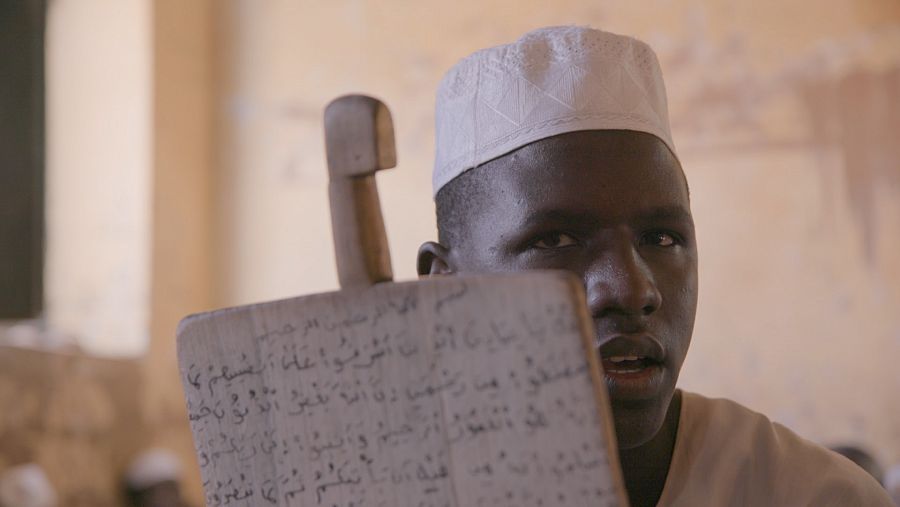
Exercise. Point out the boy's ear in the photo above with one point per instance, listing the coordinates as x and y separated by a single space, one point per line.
433 259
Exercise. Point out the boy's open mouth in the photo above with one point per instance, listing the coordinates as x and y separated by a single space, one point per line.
626 364
633 366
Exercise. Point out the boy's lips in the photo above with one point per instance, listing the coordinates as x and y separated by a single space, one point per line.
633 365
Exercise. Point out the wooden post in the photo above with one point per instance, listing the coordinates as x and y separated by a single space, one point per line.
359 140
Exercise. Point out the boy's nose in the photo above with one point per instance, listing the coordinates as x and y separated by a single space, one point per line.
620 282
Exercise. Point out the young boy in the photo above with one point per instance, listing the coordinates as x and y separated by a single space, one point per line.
554 152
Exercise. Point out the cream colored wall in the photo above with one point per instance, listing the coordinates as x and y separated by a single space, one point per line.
800 283
99 173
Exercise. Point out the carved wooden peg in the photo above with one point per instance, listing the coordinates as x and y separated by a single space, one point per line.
359 140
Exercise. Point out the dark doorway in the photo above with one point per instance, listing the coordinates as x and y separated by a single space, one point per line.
21 157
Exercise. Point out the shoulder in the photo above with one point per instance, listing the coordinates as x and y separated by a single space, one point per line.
739 456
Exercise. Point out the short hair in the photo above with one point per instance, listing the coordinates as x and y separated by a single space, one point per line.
453 201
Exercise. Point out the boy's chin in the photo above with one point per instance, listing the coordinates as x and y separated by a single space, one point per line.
637 424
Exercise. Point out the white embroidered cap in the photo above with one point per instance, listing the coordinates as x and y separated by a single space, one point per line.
151 467
26 486
551 81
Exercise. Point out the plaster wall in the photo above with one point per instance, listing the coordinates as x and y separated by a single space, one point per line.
99 173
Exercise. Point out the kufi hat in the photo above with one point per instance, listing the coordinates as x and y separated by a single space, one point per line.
152 467
26 486
549 82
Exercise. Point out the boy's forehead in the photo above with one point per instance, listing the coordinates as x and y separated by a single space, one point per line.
579 156
605 172
551 81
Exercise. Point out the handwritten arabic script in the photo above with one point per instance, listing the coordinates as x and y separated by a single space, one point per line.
453 392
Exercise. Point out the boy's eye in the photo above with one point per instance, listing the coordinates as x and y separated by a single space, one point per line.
554 240
660 239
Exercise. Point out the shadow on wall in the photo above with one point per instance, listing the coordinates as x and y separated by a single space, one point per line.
847 106
860 114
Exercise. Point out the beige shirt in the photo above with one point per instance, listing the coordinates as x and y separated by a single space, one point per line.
726 454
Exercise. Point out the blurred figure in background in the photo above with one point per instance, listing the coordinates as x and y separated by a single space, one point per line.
26 486
153 479
862 458
892 482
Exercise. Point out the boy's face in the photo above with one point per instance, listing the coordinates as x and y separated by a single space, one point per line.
611 207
